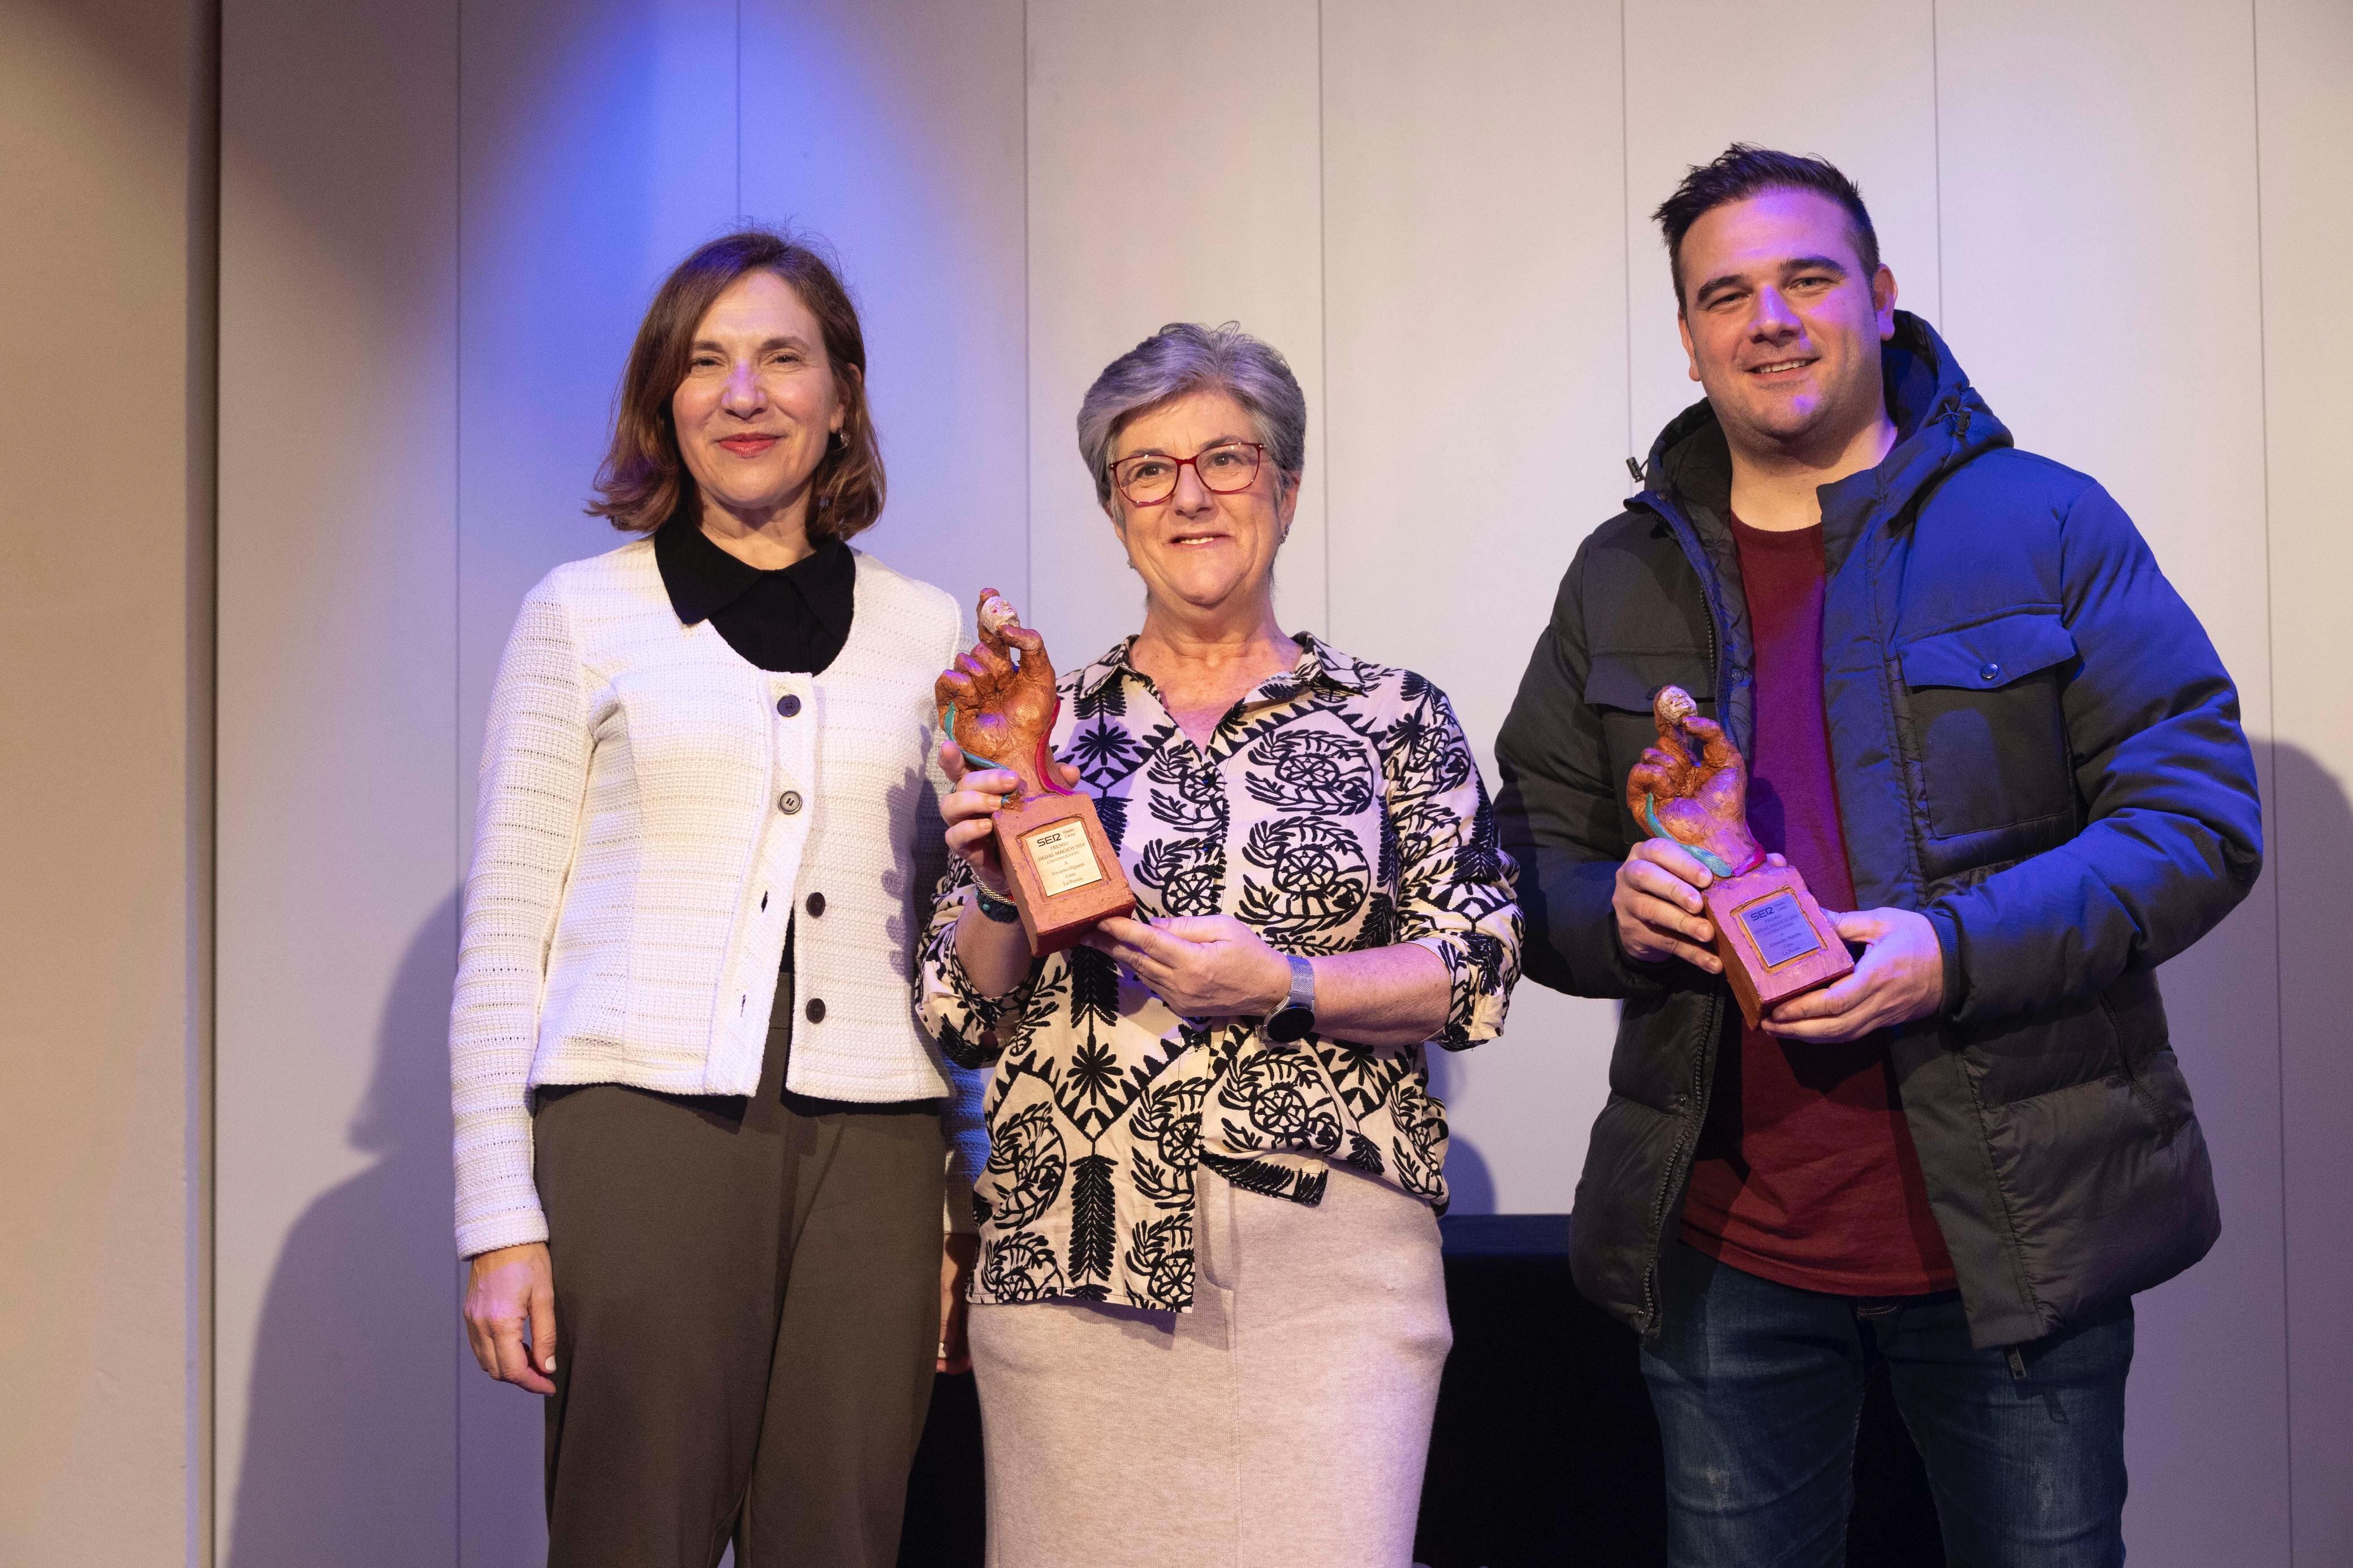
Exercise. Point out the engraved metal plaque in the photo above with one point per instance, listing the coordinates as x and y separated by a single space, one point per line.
1064 857
1779 928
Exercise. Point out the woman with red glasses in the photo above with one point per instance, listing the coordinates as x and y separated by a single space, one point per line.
1210 1318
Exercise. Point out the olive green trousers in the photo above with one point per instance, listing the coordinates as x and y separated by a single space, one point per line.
747 1310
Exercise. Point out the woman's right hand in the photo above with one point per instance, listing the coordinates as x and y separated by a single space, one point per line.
979 793
508 1290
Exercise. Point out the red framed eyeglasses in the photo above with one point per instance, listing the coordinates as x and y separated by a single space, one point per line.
1148 479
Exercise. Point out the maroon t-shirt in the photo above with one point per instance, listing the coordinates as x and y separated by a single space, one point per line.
1805 1172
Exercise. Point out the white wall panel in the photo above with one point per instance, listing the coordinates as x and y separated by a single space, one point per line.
598 147
1173 158
336 1425
1861 91
897 133
1476 306
2100 283
2304 64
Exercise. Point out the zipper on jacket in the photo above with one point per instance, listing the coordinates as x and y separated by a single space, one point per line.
1687 541
1703 1059
1715 676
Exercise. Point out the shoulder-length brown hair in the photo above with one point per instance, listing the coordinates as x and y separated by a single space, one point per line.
644 481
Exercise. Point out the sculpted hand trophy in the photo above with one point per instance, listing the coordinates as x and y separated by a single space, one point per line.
1693 787
999 705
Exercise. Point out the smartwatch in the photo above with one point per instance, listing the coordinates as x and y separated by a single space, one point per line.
1296 1019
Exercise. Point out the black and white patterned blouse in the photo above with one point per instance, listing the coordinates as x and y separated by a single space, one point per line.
1336 808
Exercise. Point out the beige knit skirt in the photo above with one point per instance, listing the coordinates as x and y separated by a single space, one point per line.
1283 1423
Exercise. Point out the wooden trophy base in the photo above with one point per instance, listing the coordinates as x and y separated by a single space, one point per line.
1774 940
1065 875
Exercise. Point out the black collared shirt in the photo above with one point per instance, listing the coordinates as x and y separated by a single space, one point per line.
795 618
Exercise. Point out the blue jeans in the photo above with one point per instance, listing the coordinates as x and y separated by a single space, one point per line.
1759 1388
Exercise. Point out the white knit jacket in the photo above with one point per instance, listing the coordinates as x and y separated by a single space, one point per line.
649 821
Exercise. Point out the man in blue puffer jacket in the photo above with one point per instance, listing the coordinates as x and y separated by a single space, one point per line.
1982 724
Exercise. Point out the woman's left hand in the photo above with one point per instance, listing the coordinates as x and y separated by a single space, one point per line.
1202 966
959 1250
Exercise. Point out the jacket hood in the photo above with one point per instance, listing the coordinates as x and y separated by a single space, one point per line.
1941 422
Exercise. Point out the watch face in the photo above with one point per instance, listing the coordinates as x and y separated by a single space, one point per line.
1289 1025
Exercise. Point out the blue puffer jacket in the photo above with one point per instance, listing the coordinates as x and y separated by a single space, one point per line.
2035 744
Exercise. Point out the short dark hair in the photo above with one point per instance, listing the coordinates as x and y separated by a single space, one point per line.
1741 171
644 481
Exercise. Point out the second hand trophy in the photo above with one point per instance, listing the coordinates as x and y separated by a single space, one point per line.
1772 936
999 705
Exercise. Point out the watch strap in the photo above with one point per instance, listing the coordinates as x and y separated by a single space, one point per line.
1296 1019
1302 982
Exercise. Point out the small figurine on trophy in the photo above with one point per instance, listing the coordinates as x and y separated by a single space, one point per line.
998 704
1773 939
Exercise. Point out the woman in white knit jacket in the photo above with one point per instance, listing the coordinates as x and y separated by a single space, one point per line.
700 1150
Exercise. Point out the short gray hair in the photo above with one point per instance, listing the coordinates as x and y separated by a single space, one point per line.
1186 357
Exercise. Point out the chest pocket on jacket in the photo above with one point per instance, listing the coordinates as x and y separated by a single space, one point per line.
1986 728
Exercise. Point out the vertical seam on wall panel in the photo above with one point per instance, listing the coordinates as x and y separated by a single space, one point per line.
1324 319
2271 683
739 112
1936 150
456 678
1029 443
203 763
1626 216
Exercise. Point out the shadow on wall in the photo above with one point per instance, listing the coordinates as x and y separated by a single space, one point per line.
346 1377
2310 858
1469 1180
